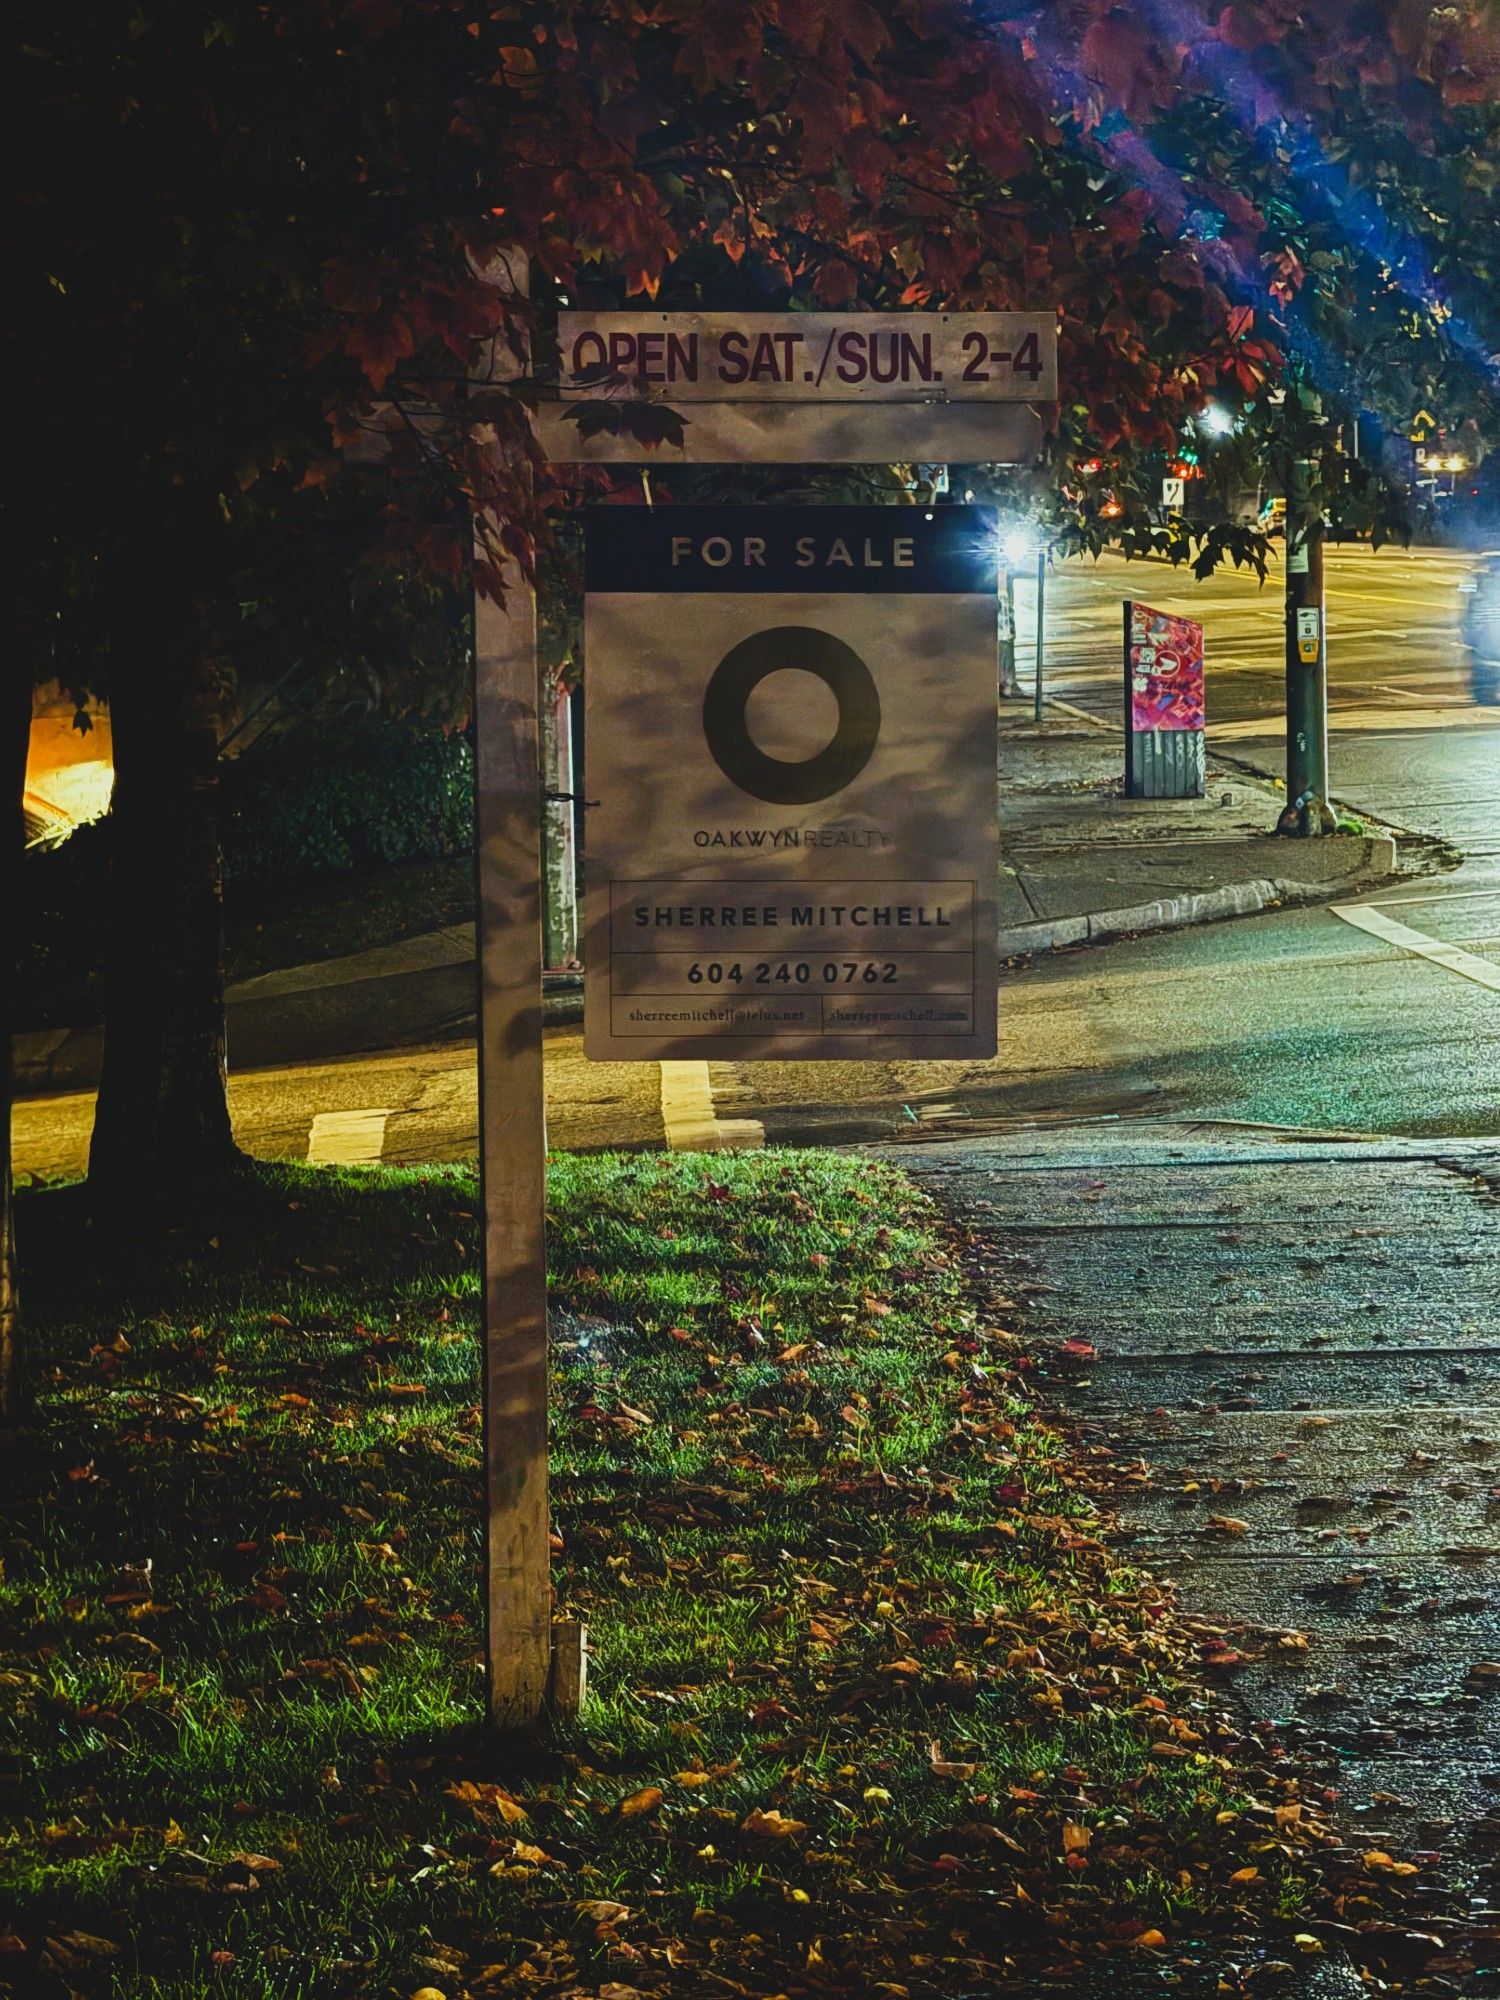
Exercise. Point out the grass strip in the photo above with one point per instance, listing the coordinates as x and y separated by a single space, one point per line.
873 1707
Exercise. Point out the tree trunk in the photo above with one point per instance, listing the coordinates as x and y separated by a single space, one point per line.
161 1129
15 736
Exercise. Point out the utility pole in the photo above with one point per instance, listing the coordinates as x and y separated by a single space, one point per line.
1307 810
1041 622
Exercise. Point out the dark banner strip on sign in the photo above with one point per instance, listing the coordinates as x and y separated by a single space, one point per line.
822 550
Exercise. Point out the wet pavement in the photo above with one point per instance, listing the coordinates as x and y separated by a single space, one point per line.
1292 1354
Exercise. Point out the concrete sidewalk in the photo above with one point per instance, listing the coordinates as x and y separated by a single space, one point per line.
1080 861
1281 1351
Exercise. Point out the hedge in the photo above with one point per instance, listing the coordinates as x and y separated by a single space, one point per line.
311 801
362 794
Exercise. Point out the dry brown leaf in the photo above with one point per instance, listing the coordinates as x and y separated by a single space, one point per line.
468 1793
1380 1863
90 1945
772 1824
1075 1838
644 1801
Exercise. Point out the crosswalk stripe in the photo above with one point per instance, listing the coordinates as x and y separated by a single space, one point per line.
346 1138
688 1116
1451 957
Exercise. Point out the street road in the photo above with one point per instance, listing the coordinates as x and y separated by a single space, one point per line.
1408 743
1296 1018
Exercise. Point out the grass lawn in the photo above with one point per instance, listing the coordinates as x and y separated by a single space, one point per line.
873 1710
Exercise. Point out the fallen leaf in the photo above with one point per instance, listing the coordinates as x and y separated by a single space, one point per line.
90 1945
1380 1863
644 1801
494 1796
771 1824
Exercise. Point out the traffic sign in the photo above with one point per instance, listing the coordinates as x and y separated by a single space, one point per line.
1173 493
791 727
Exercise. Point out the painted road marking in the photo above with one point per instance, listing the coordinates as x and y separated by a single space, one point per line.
1438 896
688 1116
1402 719
346 1138
1451 957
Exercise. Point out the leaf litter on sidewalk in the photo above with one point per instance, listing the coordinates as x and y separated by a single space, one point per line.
874 1708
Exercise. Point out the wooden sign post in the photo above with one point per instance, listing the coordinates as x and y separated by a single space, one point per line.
769 388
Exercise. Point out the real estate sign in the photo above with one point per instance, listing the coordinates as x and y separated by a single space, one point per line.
791 729
813 357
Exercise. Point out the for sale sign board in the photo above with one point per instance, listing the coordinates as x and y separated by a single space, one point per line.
791 728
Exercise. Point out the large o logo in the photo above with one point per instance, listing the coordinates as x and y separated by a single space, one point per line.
741 671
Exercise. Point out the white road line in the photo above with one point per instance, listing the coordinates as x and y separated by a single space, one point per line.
1450 956
1461 716
1438 896
688 1116
346 1138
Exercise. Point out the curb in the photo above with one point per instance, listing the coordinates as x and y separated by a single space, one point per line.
429 1004
1199 906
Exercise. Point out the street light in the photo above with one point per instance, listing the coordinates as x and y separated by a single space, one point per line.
1216 420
